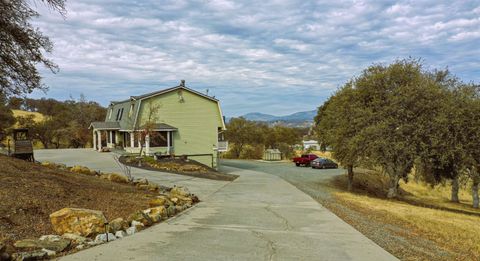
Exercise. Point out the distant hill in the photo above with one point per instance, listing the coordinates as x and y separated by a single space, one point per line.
298 119
37 117
294 117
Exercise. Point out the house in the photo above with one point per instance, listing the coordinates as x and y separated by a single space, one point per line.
176 120
311 144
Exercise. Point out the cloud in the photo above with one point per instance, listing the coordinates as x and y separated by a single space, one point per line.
270 56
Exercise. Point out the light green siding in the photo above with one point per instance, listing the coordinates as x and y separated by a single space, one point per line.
196 118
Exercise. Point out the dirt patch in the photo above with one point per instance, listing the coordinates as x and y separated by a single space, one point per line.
29 193
177 166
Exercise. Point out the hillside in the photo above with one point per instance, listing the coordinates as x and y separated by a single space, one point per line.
31 192
37 117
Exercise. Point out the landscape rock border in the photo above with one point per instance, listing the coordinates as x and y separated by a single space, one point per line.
84 228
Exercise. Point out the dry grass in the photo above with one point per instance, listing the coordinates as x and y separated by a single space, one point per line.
457 233
420 214
37 117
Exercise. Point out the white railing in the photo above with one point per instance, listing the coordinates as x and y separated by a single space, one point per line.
222 146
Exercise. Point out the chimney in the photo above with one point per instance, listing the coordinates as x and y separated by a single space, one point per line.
182 83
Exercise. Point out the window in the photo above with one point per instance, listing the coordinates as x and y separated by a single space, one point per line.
159 139
118 114
121 114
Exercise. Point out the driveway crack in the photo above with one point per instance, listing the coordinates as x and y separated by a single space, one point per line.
271 247
286 224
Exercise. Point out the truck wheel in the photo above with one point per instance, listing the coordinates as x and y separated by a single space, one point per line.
297 164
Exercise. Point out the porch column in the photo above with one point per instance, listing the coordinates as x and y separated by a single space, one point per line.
168 142
139 139
110 136
94 140
99 134
147 144
132 139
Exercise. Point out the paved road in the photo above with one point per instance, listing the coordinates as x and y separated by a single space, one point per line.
105 163
256 217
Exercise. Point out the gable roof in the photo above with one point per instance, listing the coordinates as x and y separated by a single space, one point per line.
155 93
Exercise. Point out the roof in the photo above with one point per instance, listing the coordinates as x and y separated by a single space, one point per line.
105 125
162 127
155 93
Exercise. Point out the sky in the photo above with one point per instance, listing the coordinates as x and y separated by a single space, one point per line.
275 57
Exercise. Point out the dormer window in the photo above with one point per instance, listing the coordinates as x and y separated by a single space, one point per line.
119 114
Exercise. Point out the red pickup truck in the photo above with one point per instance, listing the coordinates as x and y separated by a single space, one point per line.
304 159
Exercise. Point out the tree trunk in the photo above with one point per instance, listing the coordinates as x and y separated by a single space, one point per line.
350 177
475 192
393 185
455 188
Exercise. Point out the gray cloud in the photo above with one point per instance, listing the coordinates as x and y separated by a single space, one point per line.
274 57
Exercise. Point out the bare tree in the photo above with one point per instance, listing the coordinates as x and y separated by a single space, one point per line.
22 46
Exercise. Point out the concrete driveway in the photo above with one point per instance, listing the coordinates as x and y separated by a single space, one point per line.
256 217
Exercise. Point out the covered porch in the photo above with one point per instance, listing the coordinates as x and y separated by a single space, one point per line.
158 138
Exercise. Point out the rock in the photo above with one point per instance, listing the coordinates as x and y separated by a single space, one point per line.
80 247
195 199
32 255
75 238
153 187
58 245
156 213
131 230
179 208
104 176
120 234
84 222
174 200
138 225
179 192
159 201
83 170
143 187
49 252
142 181
114 177
51 238
117 224
95 243
171 211
103 238
185 200
140 217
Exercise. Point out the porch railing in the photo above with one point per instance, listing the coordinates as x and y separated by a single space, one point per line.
222 145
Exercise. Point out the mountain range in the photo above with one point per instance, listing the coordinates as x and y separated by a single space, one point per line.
298 119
